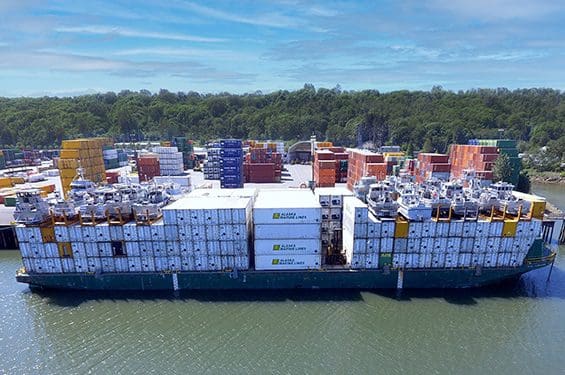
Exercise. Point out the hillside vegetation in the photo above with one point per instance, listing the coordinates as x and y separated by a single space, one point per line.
413 119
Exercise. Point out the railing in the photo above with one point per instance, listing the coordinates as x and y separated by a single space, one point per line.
545 259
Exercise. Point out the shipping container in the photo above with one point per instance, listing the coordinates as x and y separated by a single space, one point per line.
289 262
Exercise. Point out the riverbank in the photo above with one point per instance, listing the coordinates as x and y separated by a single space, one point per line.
552 178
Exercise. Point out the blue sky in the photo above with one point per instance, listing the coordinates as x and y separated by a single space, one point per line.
74 47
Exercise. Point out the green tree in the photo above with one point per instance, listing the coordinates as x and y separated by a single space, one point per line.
502 169
524 184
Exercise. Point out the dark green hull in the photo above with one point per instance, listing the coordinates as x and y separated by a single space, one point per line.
328 279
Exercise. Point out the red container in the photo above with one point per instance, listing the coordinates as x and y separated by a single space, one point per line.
326 164
444 167
324 155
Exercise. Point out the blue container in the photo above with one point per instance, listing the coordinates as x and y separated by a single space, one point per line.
231 152
231 186
231 179
234 169
231 162
231 143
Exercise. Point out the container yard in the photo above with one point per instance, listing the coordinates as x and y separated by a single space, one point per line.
383 231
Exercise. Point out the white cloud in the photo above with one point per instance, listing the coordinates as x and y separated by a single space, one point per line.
185 52
498 9
125 32
270 19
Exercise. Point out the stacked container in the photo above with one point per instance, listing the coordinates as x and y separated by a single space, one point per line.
431 165
213 162
263 165
367 242
212 232
287 230
195 234
326 159
110 156
170 161
331 200
371 243
86 153
365 163
185 146
122 158
231 163
148 167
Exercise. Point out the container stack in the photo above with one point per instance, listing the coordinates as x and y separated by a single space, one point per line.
170 161
367 242
122 158
262 165
324 168
231 164
148 167
472 157
372 243
195 234
110 155
506 147
272 146
86 153
40 252
324 159
186 147
31 157
287 230
331 200
210 233
211 167
365 163
431 165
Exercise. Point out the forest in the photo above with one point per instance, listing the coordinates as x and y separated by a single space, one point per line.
416 120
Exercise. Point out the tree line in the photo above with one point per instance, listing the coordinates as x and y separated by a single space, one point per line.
416 120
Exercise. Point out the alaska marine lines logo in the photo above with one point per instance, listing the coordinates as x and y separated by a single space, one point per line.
287 262
288 247
288 216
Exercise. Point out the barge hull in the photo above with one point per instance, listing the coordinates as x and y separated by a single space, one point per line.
258 280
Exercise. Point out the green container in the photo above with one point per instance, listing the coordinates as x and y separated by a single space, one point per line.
510 152
385 259
10 201
506 143
516 162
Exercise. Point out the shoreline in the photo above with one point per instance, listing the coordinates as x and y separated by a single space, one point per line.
553 179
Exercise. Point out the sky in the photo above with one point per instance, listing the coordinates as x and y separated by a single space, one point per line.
66 48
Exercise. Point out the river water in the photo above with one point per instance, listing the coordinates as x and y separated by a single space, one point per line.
504 330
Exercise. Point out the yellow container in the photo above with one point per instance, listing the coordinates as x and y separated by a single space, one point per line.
5 182
48 188
48 234
68 163
401 228
70 154
71 144
65 249
96 153
537 209
17 180
399 154
509 228
67 173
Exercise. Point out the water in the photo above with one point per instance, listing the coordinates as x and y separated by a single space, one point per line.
506 330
